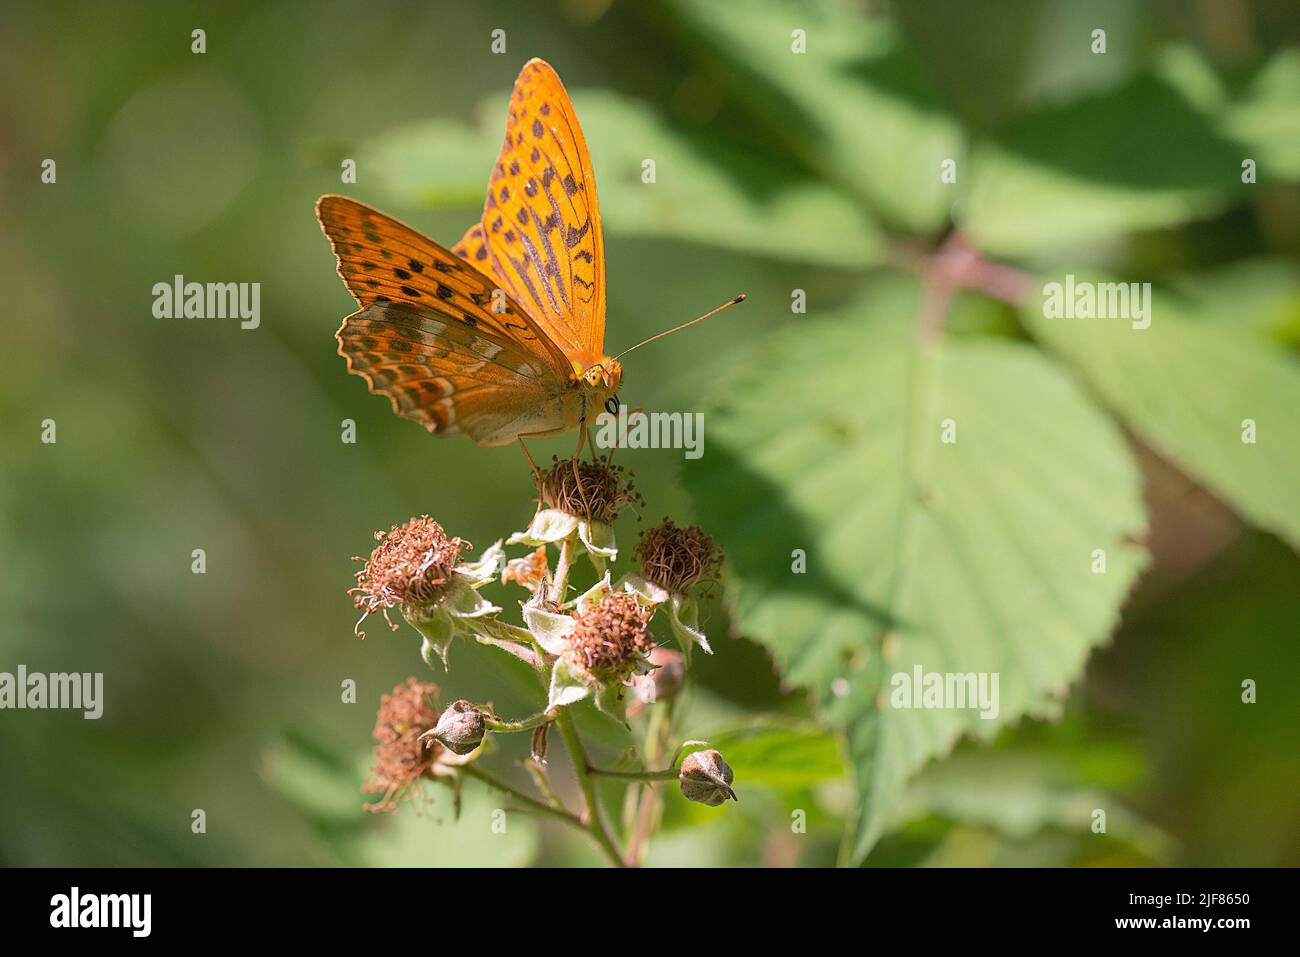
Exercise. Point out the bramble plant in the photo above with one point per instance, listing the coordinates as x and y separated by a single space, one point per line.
598 644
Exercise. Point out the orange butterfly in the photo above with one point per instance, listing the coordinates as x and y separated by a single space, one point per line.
502 336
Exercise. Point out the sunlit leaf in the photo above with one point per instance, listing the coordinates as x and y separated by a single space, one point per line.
856 106
970 557
1190 390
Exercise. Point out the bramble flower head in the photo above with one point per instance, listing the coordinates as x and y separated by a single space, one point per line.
403 755
706 779
673 561
599 646
607 492
604 489
416 567
677 559
412 564
611 638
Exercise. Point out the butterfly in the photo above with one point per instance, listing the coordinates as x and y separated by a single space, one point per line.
501 337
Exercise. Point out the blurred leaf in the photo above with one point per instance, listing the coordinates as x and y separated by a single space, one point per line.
969 557
710 191
1259 109
857 107
706 189
1186 388
779 755
1140 156
423 833
322 786
436 838
1267 118
1019 795
437 162
1260 294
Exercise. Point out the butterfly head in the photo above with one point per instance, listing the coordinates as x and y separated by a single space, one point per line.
601 381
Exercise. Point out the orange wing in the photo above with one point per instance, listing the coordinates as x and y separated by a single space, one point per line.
443 342
540 232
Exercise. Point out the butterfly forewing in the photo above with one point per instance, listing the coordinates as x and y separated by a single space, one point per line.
540 234
446 344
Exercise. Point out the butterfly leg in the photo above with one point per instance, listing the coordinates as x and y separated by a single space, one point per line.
573 462
532 463
609 459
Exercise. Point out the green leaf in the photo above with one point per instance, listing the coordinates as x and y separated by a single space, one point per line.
326 788
1187 388
1021 794
1262 294
323 786
856 107
967 557
1140 156
1259 108
438 162
436 837
709 190
706 189
780 755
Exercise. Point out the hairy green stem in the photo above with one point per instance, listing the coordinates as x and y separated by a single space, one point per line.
667 774
560 580
555 810
493 723
578 755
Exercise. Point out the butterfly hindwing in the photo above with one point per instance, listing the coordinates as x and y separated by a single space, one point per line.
540 234
451 378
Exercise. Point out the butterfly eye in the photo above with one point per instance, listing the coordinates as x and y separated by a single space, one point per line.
611 405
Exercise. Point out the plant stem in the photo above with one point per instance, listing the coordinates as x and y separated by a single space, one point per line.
646 807
667 774
560 580
523 724
578 755
524 653
531 802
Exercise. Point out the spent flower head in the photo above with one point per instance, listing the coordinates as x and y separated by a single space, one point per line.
566 498
676 559
412 565
403 754
416 567
604 488
611 638
673 561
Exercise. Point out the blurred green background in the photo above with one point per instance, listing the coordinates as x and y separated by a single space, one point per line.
776 172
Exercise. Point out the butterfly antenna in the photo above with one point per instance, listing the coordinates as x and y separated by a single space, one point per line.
667 332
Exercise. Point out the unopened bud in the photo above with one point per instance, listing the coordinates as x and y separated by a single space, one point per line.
706 778
459 728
